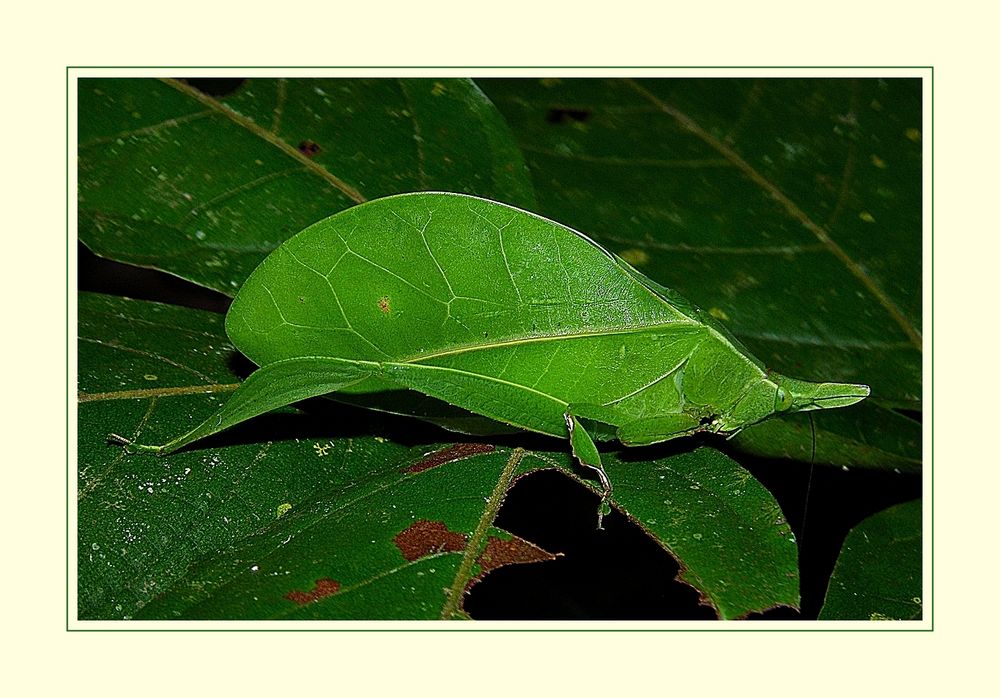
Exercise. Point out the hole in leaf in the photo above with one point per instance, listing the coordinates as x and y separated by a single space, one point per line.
566 116
615 574
215 87
915 415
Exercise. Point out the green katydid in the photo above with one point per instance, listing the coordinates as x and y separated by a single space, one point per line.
498 312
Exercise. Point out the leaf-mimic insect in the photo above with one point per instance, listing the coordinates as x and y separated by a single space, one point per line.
498 312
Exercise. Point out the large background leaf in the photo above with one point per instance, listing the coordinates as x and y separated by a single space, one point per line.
865 436
335 515
205 187
790 209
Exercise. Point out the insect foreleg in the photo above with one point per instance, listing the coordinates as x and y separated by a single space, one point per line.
587 454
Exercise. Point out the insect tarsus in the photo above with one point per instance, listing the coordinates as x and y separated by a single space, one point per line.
129 445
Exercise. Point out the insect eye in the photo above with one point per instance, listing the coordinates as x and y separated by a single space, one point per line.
783 399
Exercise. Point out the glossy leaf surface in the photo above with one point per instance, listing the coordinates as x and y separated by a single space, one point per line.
278 519
878 574
204 187
391 562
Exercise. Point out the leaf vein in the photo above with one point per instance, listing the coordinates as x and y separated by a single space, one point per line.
148 354
679 163
270 138
245 187
279 106
791 208
145 130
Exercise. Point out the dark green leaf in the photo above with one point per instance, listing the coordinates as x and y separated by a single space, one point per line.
204 188
734 544
302 516
878 574
386 538
866 436
729 534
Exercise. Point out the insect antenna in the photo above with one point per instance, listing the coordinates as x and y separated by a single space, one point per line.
809 482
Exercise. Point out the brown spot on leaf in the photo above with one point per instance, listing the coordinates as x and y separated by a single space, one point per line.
499 553
383 304
447 455
309 148
510 552
425 537
324 587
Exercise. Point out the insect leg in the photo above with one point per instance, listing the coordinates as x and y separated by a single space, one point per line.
600 421
656 429
587 454
269 387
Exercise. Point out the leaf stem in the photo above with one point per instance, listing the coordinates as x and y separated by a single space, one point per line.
158 392
452 606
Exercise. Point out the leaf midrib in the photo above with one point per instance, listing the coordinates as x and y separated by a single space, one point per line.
790 207
465 348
